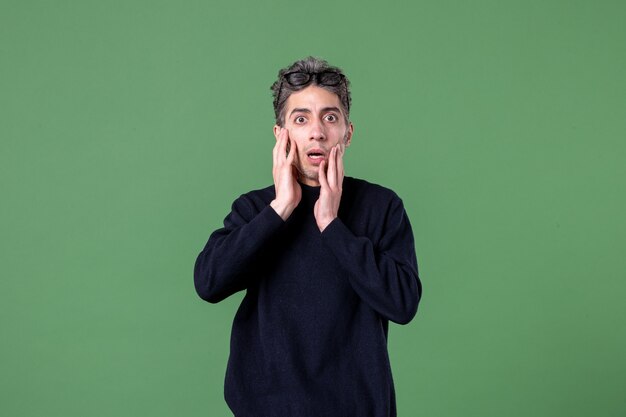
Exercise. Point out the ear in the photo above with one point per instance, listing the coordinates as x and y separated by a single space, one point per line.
276 131
349 134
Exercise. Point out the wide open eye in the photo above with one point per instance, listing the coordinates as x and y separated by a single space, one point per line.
331 117
300 119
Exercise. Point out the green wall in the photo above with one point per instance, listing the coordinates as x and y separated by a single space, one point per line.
127 128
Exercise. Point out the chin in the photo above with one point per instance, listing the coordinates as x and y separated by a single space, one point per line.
307 174
311 177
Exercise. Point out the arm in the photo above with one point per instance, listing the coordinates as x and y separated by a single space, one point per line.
384 276
227 261
224 265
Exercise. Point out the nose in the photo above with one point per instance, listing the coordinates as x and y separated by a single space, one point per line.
317 132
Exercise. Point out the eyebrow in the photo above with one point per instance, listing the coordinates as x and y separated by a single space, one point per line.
305 110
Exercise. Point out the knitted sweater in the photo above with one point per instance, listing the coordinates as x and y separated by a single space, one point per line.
310 336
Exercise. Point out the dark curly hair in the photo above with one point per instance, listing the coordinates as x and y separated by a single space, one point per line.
309 65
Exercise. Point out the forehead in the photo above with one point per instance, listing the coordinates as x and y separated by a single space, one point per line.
312 98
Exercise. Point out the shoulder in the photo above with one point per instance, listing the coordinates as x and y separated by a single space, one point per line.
372 210
254 201
360 189
260 194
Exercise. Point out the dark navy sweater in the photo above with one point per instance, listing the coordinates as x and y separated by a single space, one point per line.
310 336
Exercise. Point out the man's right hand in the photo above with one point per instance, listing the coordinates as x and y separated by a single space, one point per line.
288 191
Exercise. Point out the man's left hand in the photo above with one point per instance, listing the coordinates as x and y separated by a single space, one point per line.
331 181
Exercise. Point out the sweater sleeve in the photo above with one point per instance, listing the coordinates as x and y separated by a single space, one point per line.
384 275
228 258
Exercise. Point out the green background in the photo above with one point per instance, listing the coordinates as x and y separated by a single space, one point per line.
128 127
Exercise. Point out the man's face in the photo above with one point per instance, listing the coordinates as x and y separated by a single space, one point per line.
316 123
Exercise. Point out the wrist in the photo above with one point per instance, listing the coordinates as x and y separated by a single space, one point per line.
282 209
322 224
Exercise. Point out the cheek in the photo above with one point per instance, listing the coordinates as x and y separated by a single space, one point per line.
339 135
297 137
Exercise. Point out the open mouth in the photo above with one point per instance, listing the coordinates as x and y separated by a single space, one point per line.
316 155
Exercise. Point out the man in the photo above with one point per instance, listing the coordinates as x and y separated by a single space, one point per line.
326 262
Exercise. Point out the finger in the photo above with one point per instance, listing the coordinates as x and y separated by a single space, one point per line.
282 150
322 176
292 151
340 167
276 149
332 167
287 143
296 155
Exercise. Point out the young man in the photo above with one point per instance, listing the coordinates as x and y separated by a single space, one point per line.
326 262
